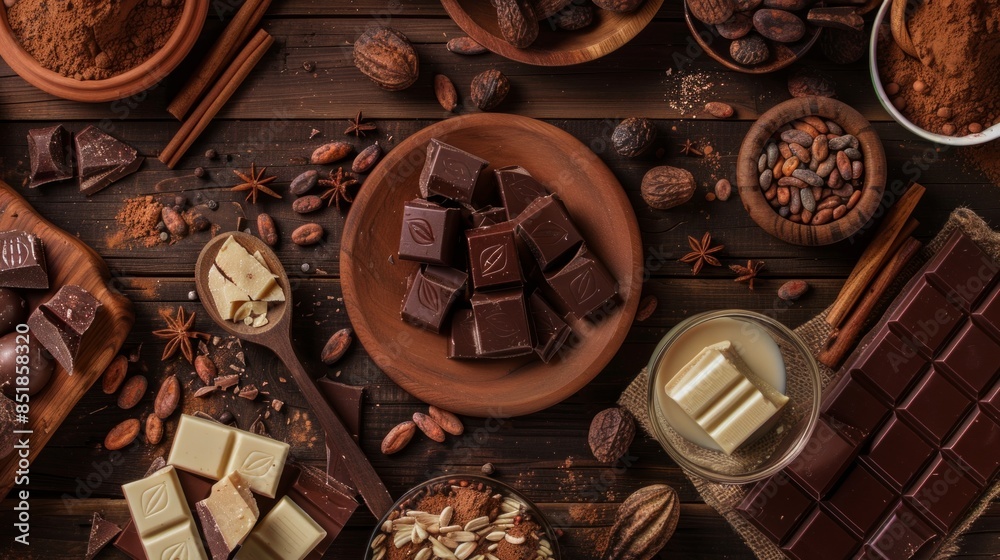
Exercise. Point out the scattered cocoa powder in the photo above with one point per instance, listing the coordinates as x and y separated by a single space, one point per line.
137 221
71 37
952 87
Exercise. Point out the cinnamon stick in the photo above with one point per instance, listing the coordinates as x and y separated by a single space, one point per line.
848 334
221 54
875 255
216 98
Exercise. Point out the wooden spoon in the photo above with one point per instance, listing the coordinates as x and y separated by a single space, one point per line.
276 335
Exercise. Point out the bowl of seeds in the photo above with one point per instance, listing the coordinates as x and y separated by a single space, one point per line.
811 171
463 517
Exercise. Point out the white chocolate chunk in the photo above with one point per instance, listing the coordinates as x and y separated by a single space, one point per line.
244 270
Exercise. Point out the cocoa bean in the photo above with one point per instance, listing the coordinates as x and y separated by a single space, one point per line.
711 12
808 200
735 27
387 58
132 392
807 216
795 205
808 176
398 437
114 374
791 164
854 200
205 369
853 154
448 421
820 148
772 152
307 204
466 46
367 158
544 9
429 427
719 109
844 166
750 50
330 152
779 168
167 398
857 169
574 17
828 203
792 182
793 136
445 92
174 222
800 152
154 429
122 435
517 22
307 234
765 179
266 229
793 290
723 189
805 127
828 165
784 195
337 346
644 523
762 163
822 217
304 182
786 152
817 123
779 25
839 212
647 306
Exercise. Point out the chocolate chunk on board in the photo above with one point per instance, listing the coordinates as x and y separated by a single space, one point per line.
454 174
102 159
49 152
22 261
61 322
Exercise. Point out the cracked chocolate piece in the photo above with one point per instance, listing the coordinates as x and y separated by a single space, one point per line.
48 149
517 189
61 322
429 232
102 159
22 261
454 174
581 287
502 324
548 232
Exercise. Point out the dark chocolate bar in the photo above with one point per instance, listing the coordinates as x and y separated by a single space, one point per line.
454 174
22 261
582 286
493 257
907 440
502 324
430 232
48 150
517 189
102 159
431 293
60 323
547 230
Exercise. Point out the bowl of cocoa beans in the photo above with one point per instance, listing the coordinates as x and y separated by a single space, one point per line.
753 36
552 32
811 171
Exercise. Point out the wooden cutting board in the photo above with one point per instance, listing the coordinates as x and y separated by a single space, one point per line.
70 261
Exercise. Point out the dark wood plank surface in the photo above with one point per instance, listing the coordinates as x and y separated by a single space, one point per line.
269 121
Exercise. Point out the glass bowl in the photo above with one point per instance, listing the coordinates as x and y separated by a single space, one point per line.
760 340
515 513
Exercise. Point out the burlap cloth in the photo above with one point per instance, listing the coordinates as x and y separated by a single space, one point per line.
724 498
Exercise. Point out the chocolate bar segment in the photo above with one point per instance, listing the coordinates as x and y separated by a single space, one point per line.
934 406
517 189
904 535
493 257
897 453
965 448
454 174
964 273
22 261
943 508
502 324
821 538
162 518
227 515
429 232
60 323
102 159
889 365
971 359
860 500
852 409
463 343
48 150
328 502
488 216
547 230
582 286
286 532
775 506
430 296
551 332
825 457
925 319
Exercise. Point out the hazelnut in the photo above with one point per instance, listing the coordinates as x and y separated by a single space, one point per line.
919 86
899 103
944 112
975 127
892 88
948 129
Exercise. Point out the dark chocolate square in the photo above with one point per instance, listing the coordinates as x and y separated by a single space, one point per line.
975 445
775 506
934 406
972 359
991 402
988 313
102 159
821 538
22 261
903 536
548 231
517 189
825 457
581 287
860 500
454 174
488 216
49 153
925 318
493 257
551 331
852 409
464 341
942 494
889 365
430 232
430 296
502 324
962 271
897 453
61 322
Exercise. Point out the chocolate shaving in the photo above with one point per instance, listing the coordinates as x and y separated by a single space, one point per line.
102 532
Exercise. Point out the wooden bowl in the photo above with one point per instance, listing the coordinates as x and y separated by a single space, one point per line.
608 32
717 46
374 278
126 84
748 181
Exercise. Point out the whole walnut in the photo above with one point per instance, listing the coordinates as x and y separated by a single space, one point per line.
620 6
489 89
633 136
517 21
664 187
387 57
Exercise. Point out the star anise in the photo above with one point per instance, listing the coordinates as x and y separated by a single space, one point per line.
358 127
179 334
689 149
337 185
701 253
747 273
255 182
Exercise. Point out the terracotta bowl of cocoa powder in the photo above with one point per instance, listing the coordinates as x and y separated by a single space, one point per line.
120 86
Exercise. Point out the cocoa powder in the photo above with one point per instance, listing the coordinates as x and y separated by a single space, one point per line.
951 88
136 223
68 37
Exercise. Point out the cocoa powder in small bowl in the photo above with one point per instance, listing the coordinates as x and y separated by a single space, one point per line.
78 54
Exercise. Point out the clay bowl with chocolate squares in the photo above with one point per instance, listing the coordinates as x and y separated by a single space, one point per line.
554 47
878 36
767 127
126 84
375 278
780 55
479 505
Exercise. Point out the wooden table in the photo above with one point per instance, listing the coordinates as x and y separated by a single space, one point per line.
270 120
